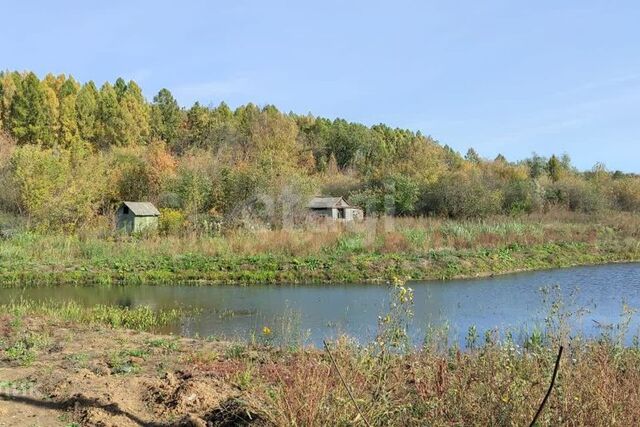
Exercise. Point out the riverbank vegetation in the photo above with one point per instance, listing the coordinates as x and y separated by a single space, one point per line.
413 249
232 186
103 375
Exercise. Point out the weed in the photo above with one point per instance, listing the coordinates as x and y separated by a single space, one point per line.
236 351
25 348
138 318
125 361
164 343
201 357
78 359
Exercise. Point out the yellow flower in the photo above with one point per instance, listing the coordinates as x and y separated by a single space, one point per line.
266 330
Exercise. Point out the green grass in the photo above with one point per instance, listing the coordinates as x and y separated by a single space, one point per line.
124 362
164 344
79 360
22 385
25 348
139 318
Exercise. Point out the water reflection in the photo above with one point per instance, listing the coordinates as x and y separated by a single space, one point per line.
327 311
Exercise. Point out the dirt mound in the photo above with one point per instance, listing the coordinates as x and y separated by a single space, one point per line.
180 393
236 412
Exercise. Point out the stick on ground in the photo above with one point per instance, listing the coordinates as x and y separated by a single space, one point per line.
546 396
344 383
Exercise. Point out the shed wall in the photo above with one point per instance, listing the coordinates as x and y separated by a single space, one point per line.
141 223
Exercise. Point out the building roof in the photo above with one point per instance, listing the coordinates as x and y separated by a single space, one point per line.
328 203
142 208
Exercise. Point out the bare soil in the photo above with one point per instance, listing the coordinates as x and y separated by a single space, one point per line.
97 376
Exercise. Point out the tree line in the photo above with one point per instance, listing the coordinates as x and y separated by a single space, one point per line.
71 151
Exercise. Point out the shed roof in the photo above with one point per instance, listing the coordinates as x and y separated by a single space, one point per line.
142 208
328 202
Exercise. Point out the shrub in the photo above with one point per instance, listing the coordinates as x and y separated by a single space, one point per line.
521 196
626 194
462 195
172 221
576 195
58 189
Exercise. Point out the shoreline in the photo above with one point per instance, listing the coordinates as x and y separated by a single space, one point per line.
436 266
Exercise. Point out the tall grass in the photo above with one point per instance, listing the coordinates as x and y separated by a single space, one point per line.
141 318
405 235
376 249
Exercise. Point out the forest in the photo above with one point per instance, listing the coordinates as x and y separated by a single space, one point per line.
71 151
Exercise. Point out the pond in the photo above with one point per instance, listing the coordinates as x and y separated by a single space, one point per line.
512 302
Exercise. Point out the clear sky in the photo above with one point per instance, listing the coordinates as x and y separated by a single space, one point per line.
507 77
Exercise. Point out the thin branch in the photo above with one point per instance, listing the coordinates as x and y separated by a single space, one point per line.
284 394
546 396
344 383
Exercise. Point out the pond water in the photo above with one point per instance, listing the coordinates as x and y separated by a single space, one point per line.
512 302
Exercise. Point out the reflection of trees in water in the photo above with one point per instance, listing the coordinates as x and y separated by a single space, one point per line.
124 301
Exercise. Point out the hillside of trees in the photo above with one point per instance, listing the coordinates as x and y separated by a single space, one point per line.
70 151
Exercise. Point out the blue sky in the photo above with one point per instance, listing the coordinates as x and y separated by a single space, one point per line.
501 76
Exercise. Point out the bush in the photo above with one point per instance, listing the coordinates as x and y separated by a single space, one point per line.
462 195
393 195
576 195
59 189
172 221
626 194
521 197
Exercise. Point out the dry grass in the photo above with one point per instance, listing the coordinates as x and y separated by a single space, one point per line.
386 235
496 385
373 250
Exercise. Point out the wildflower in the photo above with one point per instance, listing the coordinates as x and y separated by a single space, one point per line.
266 330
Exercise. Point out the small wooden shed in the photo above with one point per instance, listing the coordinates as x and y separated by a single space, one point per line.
335 208
133 217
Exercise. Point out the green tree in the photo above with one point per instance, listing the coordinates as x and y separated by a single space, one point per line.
39 175
554 168
133 117
472 156
165 117
87 112
8 88
28 115
120 87
194 187
108 116
537 165
51 110
346 140
68 118
198 130
58 191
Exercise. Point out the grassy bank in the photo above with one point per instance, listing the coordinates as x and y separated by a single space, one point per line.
55 371
418 249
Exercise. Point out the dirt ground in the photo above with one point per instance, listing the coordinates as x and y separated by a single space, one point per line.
97 376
